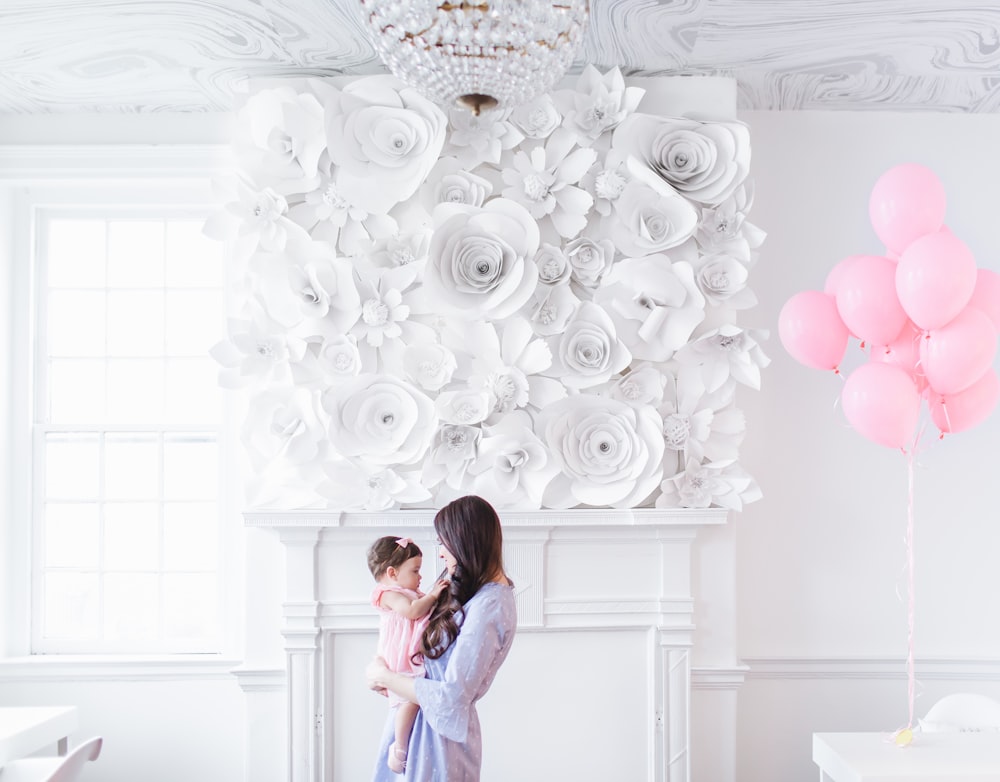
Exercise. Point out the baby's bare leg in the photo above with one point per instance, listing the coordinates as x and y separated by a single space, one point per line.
406 714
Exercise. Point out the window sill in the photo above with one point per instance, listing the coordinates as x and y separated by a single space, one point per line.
64 667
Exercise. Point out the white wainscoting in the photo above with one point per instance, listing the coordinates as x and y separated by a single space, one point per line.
603 660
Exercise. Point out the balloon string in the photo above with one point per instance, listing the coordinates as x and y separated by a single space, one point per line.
911 601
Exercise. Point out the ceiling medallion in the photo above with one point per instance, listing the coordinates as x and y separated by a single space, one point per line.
491 54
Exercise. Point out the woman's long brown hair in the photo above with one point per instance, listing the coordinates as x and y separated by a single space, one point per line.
470 529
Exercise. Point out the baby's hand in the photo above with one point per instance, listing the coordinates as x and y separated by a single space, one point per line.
439 586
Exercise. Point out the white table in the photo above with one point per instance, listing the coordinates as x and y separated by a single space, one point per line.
932 757
27 729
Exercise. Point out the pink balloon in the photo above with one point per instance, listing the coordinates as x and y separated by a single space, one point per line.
833 277
867 301
812 331
986 295
968 408
904 352
935 278
907 202
882 402
954 356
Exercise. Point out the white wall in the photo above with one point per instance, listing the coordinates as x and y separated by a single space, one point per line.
820 560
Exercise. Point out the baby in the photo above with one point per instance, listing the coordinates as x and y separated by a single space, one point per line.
395 564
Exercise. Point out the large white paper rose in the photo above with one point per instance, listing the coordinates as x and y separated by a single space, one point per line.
280 138
384 138
704 161
481 259
655 304
513 467
284 423
650 217
588 352
379 420
608 453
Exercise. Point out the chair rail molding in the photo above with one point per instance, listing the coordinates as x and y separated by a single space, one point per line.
631 572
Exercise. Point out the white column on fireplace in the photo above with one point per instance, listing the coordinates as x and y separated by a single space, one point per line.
598 684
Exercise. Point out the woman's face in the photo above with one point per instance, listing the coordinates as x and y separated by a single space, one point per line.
449 559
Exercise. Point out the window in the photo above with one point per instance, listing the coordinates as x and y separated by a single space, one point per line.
128 431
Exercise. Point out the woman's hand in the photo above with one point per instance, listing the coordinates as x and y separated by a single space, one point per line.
375 673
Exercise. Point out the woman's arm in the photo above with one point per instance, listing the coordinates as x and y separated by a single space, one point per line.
383 681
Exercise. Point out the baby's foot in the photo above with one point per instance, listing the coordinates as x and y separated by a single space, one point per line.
397 759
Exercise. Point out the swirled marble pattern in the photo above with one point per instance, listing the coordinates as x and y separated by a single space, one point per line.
196 55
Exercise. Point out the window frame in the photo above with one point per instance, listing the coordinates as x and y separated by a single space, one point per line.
47 177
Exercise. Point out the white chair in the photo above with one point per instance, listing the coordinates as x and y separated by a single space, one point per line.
52 769
961 712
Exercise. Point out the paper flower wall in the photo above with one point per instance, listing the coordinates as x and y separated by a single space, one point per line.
537 306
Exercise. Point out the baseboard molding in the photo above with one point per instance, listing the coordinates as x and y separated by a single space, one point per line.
949 669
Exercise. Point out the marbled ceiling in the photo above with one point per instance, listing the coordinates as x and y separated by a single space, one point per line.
194 55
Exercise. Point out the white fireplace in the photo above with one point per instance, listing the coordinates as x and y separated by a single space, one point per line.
620 614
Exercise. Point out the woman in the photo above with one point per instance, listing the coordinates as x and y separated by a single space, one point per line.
466 640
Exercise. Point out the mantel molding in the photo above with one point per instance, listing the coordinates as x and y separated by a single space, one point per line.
511 519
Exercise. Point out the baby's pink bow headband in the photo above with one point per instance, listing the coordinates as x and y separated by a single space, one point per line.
403 542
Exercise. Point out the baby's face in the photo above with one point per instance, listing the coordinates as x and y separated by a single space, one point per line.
408 575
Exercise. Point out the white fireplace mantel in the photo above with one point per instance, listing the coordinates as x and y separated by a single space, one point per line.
579 574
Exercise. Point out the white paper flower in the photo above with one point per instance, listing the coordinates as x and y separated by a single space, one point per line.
725 228
481 139
590 259
379 420
508 367
598 103
698 425
651 218
728 352
429 365
723 484
449 183
606 181
704 161
537 118
480 262
384 138
284 423
350 487
280 138
588 352
465 406
257 217
513 467
544 183
723 280
552 308
608 453
642 385
655 305
553 265
340 358
256 351
452 452
316 285
382 312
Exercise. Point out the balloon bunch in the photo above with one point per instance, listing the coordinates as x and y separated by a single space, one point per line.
929 317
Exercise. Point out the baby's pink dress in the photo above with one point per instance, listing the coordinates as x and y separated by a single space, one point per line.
399 637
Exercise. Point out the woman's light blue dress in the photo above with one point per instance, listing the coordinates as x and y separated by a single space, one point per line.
446 745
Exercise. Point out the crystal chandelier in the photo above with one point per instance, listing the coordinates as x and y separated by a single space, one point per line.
483 54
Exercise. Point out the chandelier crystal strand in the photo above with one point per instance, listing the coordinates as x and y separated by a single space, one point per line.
490 54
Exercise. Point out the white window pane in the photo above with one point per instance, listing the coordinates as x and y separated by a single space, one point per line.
131 467
189 606
195 322
76 323
72 467
190 536
76 391
131 536
193 260
135 253
130 606
190 468
135 391
71 535
193 395
72 605
76 253
135 323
